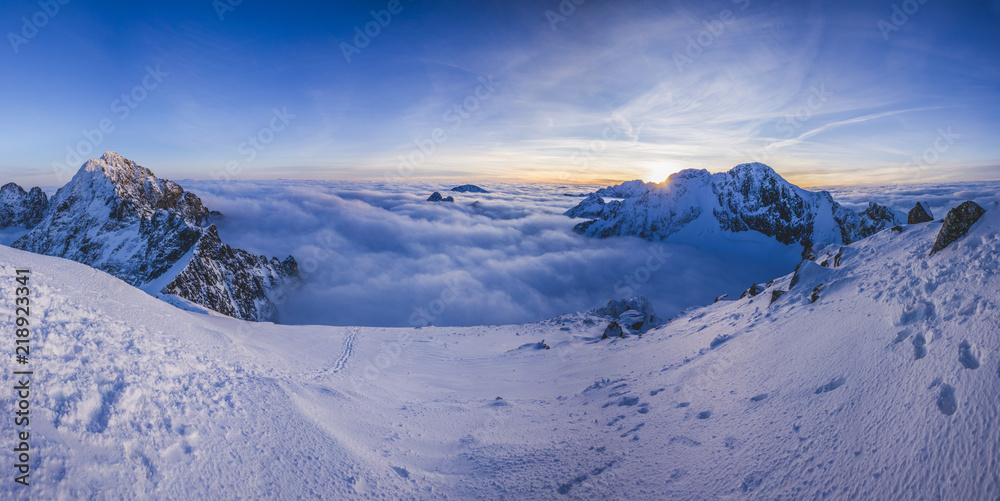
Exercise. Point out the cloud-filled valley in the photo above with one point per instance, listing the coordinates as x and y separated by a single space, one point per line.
379 254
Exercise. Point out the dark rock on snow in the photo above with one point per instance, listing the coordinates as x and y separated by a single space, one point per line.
752 291
814 295
920 213
957 224
232 281
613 330
635 313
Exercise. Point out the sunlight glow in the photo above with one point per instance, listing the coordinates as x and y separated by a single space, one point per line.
657 172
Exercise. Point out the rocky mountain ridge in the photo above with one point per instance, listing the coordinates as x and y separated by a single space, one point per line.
748 197
118 217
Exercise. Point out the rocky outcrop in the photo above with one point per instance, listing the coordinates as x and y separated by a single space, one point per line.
613 330
920 213
748 197
116 216
635 313
957 224
21 208
469 188
231 281
436 197
752 291
589 208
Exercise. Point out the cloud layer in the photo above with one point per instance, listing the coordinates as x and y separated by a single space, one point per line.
379 254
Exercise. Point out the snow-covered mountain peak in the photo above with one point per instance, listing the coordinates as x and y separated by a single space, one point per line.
117 216
116 167
754 170
750 196
121 181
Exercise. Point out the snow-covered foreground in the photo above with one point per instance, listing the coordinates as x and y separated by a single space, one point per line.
885 387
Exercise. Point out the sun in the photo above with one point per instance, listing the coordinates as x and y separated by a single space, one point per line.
657 172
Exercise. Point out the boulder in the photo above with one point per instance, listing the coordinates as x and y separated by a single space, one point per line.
957 224
920 213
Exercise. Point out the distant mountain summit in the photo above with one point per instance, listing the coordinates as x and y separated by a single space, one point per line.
21 208
116 216
748 197
469 188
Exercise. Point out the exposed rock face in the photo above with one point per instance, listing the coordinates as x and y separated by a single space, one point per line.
232 281
436 197
752 291
613 330
589 208
116 216
636 313
21 208
814 295
920 213
957 224
775 295
469 188
748 197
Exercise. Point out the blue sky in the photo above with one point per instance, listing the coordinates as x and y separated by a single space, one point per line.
826 92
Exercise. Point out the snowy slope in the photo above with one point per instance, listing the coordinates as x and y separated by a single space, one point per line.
736 400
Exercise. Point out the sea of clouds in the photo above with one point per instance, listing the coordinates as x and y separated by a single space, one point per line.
379 254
